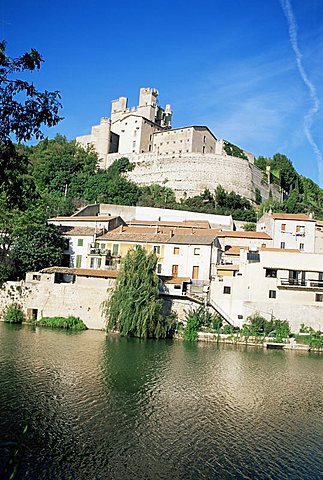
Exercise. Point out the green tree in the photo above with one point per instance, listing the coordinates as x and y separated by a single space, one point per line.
288 174
24 109
37 247
134 307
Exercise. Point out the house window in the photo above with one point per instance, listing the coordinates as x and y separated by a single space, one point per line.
134 144
92 263
37 278
159 267
227 290
115 249
282 244
253 257
98 262
195 272
78 261
283 227
80 242
175 270
176 251
301 246
203 151
271 272
272 293
157 249
197 251
319 297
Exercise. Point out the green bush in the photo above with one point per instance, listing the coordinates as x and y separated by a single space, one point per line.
13 314
196 319
69 323
257 326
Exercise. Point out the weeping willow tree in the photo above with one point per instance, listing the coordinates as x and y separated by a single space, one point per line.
134 307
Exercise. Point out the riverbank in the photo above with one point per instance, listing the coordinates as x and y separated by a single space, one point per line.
262 342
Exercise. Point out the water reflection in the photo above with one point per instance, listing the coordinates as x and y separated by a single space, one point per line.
109 407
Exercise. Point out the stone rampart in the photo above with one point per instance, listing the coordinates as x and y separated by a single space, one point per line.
189 174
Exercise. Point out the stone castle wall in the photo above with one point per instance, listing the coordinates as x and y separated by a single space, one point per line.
189 174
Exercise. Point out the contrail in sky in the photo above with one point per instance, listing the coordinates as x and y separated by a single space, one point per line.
309 117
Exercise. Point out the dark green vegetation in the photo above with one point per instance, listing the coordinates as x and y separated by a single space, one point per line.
13 314
301 194
68 323
23 111
233 150
199 318
135 308
312 338
257 326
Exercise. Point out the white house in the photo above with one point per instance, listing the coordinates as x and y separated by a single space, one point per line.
289 230
281 283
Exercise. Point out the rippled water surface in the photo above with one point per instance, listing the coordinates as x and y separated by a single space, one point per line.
102 407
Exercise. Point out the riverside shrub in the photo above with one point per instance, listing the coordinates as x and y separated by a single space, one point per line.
13 314
69 323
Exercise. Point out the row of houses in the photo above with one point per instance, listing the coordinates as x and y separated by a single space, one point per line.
276 270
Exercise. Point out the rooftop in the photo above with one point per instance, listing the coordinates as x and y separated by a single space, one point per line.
149 235
93 218
292 216
81 272
79 231
239 234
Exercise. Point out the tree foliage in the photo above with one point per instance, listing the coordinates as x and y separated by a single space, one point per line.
13 314
37 247
134 307
23 108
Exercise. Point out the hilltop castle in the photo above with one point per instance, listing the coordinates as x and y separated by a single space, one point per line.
187 159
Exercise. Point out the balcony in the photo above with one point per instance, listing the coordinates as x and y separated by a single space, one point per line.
99 251
308 283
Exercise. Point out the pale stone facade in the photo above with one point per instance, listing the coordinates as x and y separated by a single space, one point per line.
291 231
187 159
287 285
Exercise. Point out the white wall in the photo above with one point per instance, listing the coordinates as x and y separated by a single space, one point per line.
250 289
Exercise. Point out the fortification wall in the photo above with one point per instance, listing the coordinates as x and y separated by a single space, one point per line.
189 174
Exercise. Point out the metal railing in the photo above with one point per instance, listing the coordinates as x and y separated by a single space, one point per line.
308 282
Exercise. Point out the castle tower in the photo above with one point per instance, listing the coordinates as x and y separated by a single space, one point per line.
148 103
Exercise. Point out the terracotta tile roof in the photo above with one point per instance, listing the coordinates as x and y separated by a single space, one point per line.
235 250
79 231
192 239
292 216
174 280
82 272
259 235
149 235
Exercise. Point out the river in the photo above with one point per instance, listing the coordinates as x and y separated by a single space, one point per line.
100 407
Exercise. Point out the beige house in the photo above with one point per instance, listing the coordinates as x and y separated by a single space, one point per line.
289 230
281 283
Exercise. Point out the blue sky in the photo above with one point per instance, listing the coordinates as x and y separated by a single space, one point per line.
251 70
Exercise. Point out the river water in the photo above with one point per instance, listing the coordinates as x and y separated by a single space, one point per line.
100 407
